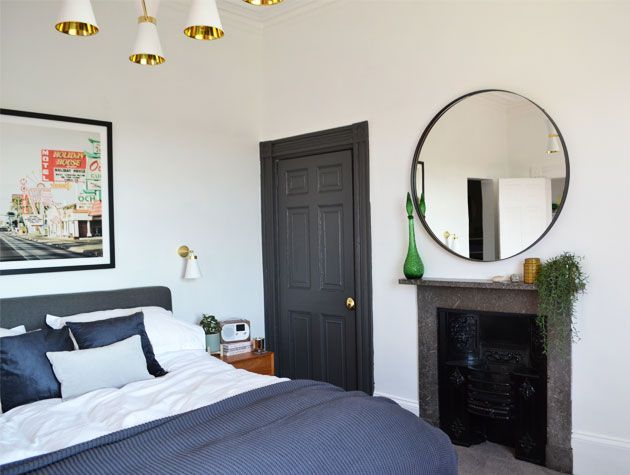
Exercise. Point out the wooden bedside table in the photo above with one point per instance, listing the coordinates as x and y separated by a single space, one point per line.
261 363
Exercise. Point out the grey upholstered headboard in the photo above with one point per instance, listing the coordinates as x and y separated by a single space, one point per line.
31 311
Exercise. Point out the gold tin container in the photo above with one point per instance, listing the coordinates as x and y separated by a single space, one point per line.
531 268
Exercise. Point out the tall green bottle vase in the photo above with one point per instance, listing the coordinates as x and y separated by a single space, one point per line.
413 268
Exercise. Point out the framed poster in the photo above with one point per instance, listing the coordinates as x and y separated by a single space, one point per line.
56 197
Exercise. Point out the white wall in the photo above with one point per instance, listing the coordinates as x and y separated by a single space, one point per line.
185 149
396 64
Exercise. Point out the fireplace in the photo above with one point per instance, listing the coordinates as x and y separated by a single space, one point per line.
519 301
492 380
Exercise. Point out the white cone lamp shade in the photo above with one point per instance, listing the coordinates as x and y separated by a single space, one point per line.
77 18
148 49
203 21
192 267
262 3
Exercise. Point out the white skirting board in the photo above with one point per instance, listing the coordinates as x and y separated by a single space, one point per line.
410 404
598 454
593 454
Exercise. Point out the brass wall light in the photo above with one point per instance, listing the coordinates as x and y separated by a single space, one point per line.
192 266
553 140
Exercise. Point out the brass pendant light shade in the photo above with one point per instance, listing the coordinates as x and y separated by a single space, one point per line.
76 18
203 21
147 50
262 3
76 28
203 32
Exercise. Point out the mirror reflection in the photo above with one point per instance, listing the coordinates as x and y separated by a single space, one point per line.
490 175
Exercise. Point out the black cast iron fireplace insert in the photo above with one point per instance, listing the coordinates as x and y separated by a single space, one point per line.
492 381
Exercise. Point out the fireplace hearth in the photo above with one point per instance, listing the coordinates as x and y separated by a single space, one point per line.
492 381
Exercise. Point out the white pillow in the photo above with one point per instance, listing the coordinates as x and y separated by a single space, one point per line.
12 331
165 332
169 334
111 366
59 322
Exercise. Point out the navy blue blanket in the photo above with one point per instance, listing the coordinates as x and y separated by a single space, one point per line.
290 427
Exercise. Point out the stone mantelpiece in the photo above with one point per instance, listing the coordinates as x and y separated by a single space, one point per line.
484 295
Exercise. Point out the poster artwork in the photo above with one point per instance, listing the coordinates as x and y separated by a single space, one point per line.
51 195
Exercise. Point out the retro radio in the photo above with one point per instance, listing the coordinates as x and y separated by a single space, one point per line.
234 330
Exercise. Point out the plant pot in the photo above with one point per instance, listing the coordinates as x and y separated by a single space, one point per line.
213 342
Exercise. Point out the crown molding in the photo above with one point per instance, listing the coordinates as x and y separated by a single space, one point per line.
241 14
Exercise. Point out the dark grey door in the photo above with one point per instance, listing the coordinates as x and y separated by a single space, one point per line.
317 334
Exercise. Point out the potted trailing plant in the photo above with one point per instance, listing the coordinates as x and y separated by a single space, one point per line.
212 328
559 283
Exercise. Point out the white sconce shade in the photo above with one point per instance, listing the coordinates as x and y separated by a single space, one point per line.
553 141
76 18
192 267
147 50
203 21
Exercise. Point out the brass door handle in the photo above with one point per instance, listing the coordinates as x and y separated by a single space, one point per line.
350 303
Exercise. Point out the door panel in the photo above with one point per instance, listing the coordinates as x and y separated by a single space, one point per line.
331 241
316 268
334 364
524 212
300 345
298 245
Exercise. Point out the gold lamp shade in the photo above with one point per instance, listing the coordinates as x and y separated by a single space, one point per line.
76 18
203 21
262 3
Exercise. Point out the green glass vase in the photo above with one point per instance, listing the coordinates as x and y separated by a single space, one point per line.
423 205
413 268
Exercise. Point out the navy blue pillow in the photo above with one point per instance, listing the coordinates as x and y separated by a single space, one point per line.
25 372
105 332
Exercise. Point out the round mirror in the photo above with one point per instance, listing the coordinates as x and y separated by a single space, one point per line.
490 175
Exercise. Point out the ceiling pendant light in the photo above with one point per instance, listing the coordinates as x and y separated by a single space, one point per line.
262 3
203 21
147 50
77 18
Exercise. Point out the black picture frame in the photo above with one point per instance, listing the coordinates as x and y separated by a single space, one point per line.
64 261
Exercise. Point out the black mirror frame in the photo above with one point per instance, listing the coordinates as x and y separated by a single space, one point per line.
416 157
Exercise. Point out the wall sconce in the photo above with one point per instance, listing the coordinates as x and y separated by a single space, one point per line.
553 141
192 266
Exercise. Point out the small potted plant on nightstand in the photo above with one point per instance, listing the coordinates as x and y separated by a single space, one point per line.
212 328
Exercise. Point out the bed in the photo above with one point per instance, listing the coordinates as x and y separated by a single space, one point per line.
205 416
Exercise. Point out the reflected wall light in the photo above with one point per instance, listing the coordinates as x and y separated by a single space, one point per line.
192 266
553 141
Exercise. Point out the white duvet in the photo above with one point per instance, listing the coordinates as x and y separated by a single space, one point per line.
195 379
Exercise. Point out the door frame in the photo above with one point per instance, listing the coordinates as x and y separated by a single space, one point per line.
354 138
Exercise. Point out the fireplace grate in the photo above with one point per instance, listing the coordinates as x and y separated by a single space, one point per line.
492 383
